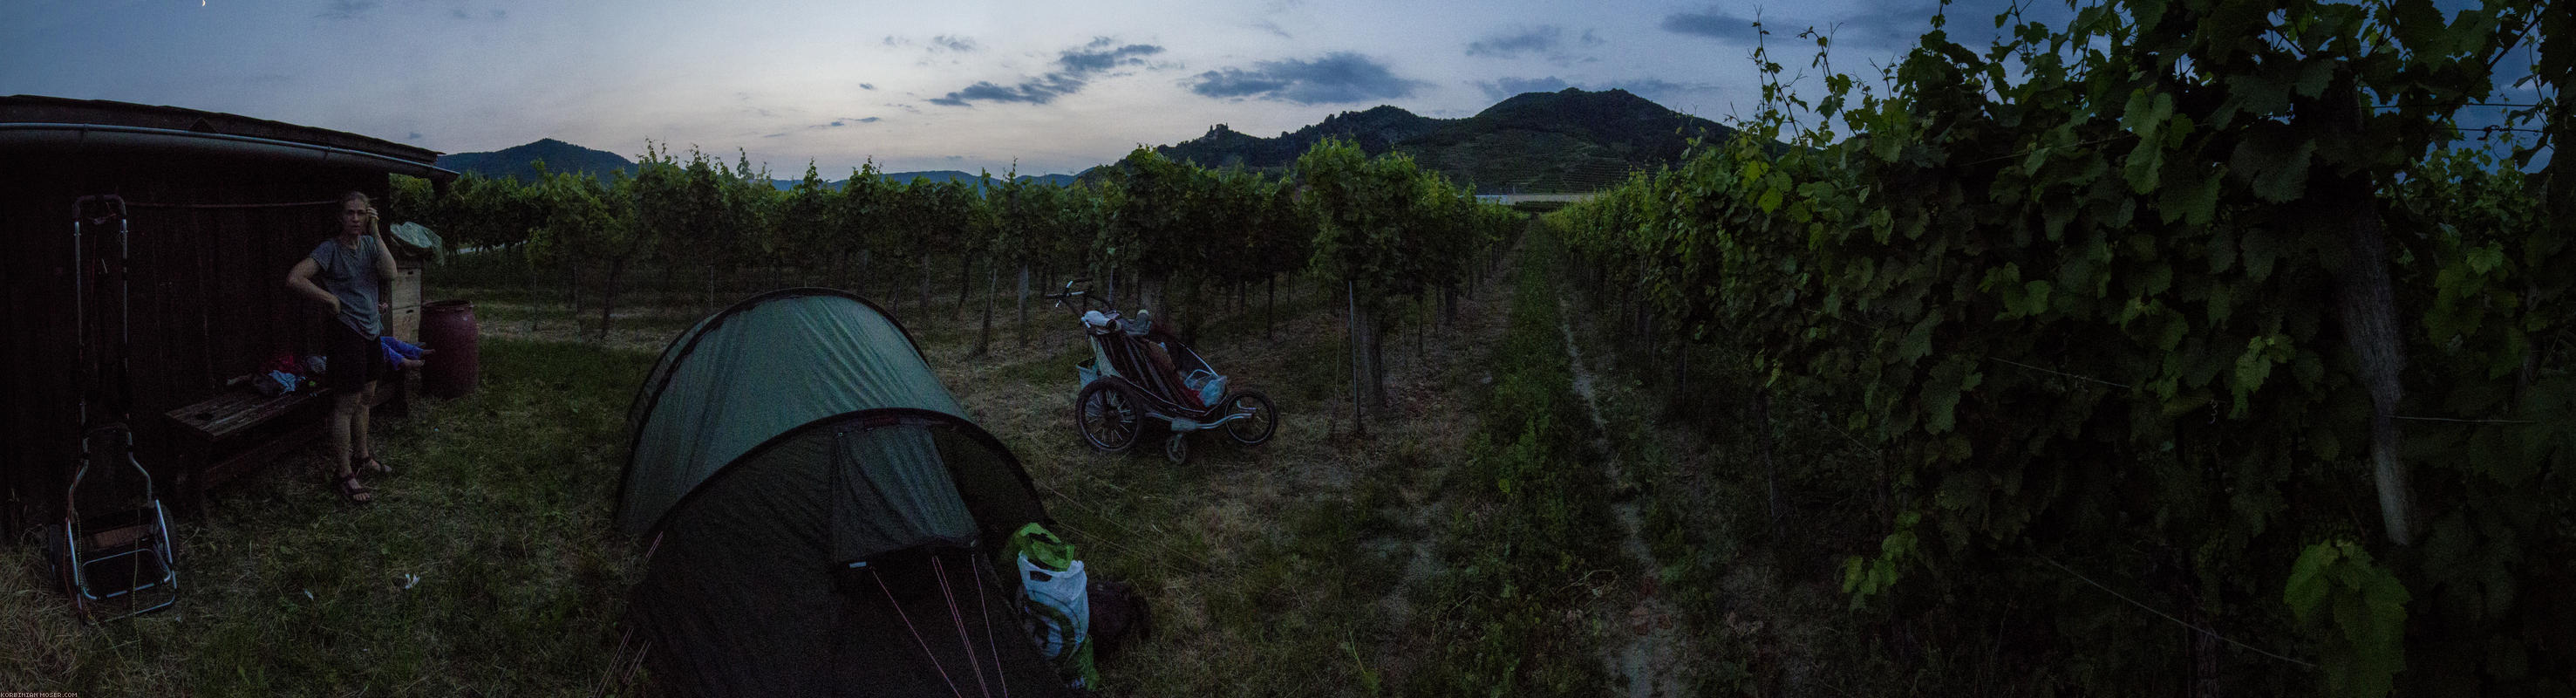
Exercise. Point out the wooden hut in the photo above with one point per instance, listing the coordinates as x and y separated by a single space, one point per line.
217 208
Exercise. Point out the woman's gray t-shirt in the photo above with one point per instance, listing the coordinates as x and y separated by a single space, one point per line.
351 276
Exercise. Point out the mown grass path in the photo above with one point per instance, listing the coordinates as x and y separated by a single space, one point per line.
1650 651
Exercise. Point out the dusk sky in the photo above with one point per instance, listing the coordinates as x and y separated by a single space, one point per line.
1056 86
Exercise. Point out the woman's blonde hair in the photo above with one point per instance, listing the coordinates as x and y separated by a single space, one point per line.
373 225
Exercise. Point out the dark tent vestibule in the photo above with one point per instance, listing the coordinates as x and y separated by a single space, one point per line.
823 519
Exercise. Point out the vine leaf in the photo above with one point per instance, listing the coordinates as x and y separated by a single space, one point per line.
2278 164
2306 590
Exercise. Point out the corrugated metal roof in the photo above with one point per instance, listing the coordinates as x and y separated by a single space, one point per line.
42 109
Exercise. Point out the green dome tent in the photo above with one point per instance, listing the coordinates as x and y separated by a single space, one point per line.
823 519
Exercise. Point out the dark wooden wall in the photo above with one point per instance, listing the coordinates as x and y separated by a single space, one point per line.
207 291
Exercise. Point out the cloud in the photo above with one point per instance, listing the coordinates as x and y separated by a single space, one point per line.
1886 25
415 135
1336 77
1507 87
1711 24
1901 24
871 120
1540 40
349 9
1098 56
1545 41
944 42
867 86
1272 27
1075 69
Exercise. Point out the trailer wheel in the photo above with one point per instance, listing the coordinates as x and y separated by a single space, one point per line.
1260 420
1107 417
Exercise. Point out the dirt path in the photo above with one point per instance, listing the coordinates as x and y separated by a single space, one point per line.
1647 650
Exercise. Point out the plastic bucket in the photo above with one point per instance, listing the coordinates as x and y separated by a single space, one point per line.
448 326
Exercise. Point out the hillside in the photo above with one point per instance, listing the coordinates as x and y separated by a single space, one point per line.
1376 130
934 176
1567 141
514 162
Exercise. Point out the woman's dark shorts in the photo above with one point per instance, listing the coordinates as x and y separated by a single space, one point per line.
354 358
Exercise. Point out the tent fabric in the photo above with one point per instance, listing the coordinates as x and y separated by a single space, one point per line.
883 509
824 519
757 370
747 592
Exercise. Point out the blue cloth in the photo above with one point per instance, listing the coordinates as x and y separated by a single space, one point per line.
396 350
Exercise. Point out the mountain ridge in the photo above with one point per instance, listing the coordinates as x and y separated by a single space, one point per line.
519 163
1571 140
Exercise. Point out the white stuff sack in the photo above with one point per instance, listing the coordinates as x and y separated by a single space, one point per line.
1060 609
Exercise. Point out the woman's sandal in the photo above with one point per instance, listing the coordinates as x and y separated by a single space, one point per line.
356 492
370 463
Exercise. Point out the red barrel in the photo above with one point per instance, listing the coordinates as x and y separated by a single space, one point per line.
448 326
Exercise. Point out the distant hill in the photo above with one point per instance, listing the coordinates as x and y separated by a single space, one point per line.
934 176
514 162
1376 130
1567 141
1571 140
559 156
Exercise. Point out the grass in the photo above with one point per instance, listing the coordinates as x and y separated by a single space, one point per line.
1762 601
1526 549
1320 563
498 510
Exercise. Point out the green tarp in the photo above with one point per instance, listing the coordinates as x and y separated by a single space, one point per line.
416 241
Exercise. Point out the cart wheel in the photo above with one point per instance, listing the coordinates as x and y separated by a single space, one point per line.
1259 422
1106 417
1177 449
58 543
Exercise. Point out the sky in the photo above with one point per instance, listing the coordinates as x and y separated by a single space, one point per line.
1048 87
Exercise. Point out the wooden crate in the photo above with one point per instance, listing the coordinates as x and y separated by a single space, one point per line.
404 323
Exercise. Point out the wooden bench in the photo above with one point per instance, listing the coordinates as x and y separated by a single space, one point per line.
236 431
